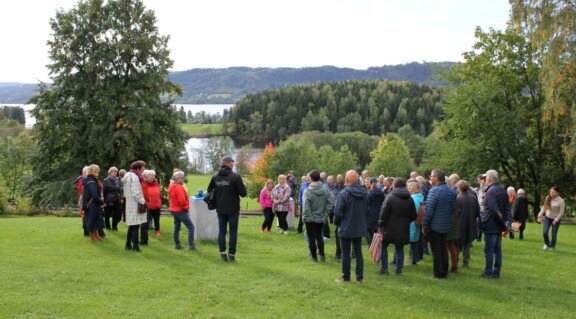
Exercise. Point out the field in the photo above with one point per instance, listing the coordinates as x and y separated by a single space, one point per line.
51 271
202 129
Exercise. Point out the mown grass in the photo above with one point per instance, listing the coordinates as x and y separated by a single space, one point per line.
51 271
202 129
198 181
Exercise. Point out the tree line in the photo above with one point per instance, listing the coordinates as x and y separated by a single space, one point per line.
371 107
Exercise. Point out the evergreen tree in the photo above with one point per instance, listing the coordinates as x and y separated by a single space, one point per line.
109 70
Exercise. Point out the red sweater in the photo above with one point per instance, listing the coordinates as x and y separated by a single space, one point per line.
178 198
155 195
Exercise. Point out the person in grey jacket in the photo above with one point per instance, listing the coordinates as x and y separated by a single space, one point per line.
350 215
437 220
318 203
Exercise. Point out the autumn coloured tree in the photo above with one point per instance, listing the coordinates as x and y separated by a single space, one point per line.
260 171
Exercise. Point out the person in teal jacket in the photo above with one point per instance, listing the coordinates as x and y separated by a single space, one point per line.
317 204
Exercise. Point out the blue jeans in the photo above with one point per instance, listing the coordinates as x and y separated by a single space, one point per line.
546 230
346 244
223 221
179 218
398 256
493 253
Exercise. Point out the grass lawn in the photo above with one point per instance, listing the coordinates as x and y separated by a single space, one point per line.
51 271
197 181
202 129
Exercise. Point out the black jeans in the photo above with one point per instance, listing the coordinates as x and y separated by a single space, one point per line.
439 254
356 244
268 218
338 245
132 236
283 223
144 231
114 211
315 238
155 214
300 222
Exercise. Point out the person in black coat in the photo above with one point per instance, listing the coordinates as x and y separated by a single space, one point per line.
92 202
468 209
520 211
228 187
375 200
397 212
112 199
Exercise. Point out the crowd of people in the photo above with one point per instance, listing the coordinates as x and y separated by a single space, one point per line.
442 215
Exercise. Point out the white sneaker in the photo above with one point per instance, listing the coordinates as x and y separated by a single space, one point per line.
285 232
545 247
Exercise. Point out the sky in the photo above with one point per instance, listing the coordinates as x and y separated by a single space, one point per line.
264 33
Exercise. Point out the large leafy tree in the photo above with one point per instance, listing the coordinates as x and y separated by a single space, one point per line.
391 157
494 116
110 102
551 27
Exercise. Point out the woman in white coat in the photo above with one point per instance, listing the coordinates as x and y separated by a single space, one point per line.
133 193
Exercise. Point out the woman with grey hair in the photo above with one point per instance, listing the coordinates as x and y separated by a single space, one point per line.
112 199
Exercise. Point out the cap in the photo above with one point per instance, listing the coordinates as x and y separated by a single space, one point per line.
227 159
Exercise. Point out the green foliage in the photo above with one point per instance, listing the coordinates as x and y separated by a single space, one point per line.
416 143
360 144
391 157
11 128
300 156
15 162
336 162
3 198
494 117
365 106
215 149
550 27
48 278
110 67
14 113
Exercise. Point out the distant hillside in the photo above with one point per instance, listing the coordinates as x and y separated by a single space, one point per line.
231 84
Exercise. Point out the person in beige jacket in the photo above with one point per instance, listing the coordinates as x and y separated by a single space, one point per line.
551 214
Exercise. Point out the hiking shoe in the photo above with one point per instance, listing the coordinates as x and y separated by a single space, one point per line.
224 257
231 258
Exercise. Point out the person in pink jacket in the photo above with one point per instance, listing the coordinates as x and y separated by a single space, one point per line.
265 201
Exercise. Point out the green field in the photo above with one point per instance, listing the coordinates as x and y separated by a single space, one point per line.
202 129
51 271
195 182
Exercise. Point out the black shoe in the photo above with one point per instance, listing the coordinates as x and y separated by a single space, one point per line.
337 258
382 272
128 247
224 257
485 275
137 250
178 247
231 258
314 259
454 270
143 243
323 259
192 248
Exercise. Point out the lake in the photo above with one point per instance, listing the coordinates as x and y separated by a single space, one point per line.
193 144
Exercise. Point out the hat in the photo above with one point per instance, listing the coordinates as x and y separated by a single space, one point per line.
177 175
227 159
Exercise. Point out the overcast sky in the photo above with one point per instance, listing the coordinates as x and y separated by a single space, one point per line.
265 33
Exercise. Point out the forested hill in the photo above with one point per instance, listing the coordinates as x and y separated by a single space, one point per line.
372 107
231 84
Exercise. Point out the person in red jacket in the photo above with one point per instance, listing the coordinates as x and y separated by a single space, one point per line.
144 227
179 204
155 202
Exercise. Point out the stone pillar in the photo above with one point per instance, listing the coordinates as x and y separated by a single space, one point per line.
205 221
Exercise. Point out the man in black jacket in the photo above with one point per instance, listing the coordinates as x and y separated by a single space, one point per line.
229 187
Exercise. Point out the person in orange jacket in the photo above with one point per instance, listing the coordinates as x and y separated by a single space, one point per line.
179 204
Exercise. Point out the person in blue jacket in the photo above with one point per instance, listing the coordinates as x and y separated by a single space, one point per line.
350 214
440 206
495 218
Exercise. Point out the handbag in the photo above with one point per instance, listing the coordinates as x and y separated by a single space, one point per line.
420 215
210 199
376 247
142 208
